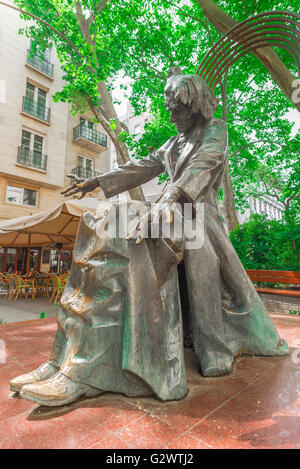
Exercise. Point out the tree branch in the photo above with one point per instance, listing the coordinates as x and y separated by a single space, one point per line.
84 23
136 193
253 143
101 5
279 72
61 35
236 101
194 18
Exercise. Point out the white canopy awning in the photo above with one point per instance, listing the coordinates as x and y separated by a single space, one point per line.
57 225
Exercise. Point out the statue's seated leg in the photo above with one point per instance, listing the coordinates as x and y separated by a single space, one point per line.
204 289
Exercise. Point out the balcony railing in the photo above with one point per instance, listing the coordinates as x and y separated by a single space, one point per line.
83 131
33 159
43 65
84 173
36 109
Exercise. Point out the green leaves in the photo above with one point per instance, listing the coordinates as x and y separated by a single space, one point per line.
264 244
143 39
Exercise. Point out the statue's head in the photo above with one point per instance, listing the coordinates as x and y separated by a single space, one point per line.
189 99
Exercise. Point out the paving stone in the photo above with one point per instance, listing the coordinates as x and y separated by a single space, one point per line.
257 406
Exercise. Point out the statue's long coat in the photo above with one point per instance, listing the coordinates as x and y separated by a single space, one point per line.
120 325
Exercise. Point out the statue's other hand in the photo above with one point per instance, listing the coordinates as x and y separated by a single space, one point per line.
139 230
162 211
80 185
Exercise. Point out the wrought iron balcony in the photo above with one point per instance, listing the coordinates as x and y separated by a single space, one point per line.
84 173
36 109
33 159
89 138
43 65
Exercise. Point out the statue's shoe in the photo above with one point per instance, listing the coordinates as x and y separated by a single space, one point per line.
217 367
57 390
45 371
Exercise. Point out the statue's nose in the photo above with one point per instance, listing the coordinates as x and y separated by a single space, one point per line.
172 117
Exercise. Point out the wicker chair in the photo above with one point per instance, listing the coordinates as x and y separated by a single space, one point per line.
57 288
4 284
11 286
23 284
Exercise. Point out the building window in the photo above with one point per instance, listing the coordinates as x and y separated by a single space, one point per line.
46 256
35 102
85 166
11 260
21 196
86 163
86 123
35 93
31 151
33 143
1 259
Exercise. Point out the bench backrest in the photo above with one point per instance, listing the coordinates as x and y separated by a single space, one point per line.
274 276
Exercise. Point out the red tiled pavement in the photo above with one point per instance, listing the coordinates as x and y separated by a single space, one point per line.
257 406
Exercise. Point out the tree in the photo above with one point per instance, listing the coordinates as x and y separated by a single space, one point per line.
267 56
95 41
247 93
73 27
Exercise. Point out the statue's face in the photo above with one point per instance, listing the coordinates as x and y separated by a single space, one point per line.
181 115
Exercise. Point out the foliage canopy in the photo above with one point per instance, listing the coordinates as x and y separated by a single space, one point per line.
143 40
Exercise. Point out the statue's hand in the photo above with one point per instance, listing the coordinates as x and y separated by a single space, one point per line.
161 210
80 185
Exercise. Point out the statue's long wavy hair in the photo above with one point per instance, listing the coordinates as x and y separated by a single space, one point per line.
192 91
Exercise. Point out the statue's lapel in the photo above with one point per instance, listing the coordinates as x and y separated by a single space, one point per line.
191 146
168 157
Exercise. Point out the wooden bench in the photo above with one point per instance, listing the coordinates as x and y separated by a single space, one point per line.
275 276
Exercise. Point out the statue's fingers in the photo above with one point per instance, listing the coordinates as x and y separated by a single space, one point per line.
132 235
156 214
75 191
135 232
66 191
139 239
168 214
69 188
72 176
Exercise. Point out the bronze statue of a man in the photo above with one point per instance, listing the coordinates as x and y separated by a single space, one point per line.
119 322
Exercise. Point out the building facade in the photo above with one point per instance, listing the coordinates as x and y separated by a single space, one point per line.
267 205
40 141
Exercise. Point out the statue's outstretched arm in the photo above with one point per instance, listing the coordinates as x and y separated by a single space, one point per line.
124 178
130 175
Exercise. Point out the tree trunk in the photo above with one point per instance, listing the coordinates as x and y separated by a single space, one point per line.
231 218
266 55
230 214
109 112
106 113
